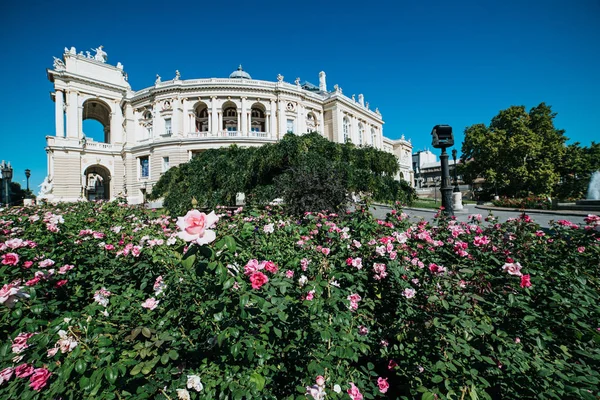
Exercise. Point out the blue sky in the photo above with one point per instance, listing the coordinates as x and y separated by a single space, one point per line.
421 63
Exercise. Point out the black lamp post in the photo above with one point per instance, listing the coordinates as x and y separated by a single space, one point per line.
442 138
456 189
27 175
7 173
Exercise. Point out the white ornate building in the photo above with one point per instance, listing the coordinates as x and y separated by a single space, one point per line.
152 129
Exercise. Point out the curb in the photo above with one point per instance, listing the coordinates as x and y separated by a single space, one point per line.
571 213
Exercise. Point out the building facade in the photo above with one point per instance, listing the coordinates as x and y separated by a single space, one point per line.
148 131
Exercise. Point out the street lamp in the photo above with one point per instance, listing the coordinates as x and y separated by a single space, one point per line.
27 175
7 173
442 138
456 189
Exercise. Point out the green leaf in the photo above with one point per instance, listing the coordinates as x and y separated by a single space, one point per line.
146 332
80 366
111 374
437 379
528 318
188 262
427 396
136 369
173 355
258 380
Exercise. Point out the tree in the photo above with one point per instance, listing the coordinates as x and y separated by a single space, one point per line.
576 169
215 176
519 153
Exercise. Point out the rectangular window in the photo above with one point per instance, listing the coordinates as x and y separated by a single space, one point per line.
165 165
290 126
168 128
144 167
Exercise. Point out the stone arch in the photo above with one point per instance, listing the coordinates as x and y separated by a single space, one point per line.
258 118
201 117
230 117
97 110
97 183
312 122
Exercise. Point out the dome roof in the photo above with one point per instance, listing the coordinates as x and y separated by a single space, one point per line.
240 74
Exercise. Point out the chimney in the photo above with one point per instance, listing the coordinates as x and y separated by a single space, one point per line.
322 83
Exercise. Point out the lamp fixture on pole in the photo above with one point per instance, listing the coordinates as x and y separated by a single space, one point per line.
442 138
27 175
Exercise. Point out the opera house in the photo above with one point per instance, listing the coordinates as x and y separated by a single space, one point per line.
150 130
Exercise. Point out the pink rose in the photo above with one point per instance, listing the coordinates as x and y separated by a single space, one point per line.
10 259
320 381
392 364
270 266
258 279
325 250
20 342
513 268
6 374
150 303
525 281
289 274
39 379
251 267
60 283
46 263
194 227
63 270
354 392
363 330
23 371
383 384
310 295
27 264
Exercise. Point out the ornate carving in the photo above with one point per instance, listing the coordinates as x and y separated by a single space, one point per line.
279 78
59 65
100 54
290 106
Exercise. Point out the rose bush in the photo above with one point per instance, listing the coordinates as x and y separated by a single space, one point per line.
110 301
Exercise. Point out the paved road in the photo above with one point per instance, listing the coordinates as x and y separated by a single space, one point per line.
542 219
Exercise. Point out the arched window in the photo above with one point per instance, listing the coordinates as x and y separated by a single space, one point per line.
201 114
346 128
258 120
311 123
231 112
230 120
361 133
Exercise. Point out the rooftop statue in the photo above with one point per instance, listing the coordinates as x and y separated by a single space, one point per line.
100 54
157 81
59 65
279 77
177 75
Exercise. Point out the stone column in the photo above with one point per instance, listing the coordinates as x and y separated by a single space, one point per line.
59 113
185 128
282 120
116 124
321 128
301 122
273 121
244 119
175 117
72 115
214 115
239 122
220 122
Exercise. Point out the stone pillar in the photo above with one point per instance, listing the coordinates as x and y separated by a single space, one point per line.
175 117
214 115
185 128
338 134
59 113
321 127
220 122
244 119
116 124
273 121
300 120
239 122
72 115
354 132
282 120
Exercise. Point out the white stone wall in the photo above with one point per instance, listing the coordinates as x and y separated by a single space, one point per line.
82 79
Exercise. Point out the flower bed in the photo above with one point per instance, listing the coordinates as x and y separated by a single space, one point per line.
108 301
